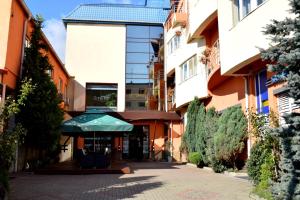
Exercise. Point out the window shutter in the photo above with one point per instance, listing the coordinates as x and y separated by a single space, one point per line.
285 106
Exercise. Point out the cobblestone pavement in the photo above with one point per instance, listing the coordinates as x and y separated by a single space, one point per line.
150 181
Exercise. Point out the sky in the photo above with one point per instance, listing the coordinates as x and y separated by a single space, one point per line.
54 10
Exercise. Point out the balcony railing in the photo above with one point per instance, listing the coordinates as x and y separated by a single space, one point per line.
211 57
178 14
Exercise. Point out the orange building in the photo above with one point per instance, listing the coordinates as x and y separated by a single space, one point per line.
16 24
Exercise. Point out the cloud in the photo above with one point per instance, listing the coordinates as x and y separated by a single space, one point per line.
56 34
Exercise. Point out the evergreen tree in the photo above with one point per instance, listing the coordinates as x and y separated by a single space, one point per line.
189 137
284 57
40 114
201 132
211 128
231 134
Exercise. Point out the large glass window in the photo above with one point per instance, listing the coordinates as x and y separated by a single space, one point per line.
101 95
139 57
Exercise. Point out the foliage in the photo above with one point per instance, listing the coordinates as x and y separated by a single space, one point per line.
218 165
40 114
200 131
256 160
230 137
195 158
211 127
266 176
189 136
284 58
10 137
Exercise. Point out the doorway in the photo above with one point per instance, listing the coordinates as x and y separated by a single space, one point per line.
136 143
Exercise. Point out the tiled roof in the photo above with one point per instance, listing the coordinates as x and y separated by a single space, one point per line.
118 13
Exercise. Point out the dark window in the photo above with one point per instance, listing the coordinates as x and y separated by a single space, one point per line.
141 91
128 91
101 95
142 104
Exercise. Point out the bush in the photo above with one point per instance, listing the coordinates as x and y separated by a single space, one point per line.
217 165
230 137
195 158
258 155
263 189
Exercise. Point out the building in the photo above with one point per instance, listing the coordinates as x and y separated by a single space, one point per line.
112 49
212 52
16 22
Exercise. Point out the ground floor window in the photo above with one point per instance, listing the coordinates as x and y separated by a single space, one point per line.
262 96
98 144
285 106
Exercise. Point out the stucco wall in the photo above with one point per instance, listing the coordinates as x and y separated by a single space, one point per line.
5 11
239 44
96 54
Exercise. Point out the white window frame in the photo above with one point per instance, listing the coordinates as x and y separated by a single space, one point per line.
174 43
253 5
188 69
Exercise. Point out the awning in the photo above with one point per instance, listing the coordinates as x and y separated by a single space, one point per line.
95 122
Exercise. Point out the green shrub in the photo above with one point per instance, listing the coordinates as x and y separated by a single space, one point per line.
230 137
263 189
217 165
195 158
257 158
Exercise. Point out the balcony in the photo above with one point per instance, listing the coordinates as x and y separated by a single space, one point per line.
178 15
211 58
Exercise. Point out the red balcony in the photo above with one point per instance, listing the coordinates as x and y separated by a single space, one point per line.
178 15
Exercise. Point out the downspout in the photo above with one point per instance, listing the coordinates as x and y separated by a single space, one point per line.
171 141
247 114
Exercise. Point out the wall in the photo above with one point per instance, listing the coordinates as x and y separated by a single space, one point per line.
239 44
5 13
96 53
186 91
14 44
228 93
200 12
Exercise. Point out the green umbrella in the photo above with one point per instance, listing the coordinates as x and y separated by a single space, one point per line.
95 122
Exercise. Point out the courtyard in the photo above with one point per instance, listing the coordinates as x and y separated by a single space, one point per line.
149 181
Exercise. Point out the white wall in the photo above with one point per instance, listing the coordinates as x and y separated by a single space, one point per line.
96 54
5 9
239 44
199 12
194 86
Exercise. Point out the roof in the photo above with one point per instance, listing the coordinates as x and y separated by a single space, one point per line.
118 14
147 115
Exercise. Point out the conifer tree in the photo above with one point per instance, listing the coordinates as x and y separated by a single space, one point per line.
40 115
201 132
284 56
189 137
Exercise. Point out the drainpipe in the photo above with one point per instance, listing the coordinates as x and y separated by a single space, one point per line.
247 113
171 141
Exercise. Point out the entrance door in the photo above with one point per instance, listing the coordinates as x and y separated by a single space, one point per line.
136 143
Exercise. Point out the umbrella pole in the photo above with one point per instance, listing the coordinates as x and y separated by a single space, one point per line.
94 142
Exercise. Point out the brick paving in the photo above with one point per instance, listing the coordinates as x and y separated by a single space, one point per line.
150 181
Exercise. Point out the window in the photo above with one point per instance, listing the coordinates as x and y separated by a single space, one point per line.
101 95
262 97
50 72
142 104
60 85
285 106
241 8
174 44
189 68
128 91
141 91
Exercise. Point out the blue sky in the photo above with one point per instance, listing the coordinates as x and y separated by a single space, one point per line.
54 10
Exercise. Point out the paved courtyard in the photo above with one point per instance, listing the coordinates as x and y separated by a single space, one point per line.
159 181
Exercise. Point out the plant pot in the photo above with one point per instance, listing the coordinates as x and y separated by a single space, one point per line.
169 159
184 157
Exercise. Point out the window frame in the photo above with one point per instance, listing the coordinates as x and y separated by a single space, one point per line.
186 72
